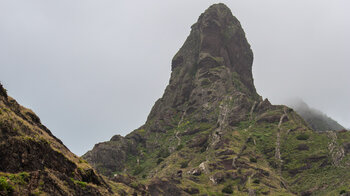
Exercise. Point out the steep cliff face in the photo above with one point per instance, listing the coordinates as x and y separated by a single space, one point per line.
215 61
211 133
34 162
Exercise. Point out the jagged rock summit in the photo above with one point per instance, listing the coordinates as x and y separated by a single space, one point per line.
215 61
217 39
211 133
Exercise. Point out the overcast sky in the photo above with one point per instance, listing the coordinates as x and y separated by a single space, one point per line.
93 69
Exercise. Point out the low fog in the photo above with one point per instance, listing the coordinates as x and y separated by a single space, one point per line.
93 69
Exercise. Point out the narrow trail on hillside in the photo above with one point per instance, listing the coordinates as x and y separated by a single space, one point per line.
181 119
178 138
278 141
252 110
222 122
245 144
178 125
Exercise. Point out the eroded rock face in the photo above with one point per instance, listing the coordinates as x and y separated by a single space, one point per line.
215 60
28 154
108 157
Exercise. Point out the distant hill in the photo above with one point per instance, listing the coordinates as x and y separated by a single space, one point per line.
316 119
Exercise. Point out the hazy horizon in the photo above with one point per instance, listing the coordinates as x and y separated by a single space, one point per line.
93 69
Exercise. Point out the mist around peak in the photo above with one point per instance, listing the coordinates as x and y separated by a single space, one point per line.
316 119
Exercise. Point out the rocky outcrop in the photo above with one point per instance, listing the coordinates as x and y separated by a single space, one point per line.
108 157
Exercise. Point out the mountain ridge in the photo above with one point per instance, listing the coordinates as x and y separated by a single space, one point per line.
211 133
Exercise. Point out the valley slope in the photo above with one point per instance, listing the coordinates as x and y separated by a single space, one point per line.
34 162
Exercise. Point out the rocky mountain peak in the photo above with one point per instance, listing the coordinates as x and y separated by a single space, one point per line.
217 39
214 64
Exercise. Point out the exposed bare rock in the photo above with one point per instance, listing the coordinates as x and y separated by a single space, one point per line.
195 171
337 152
108 157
